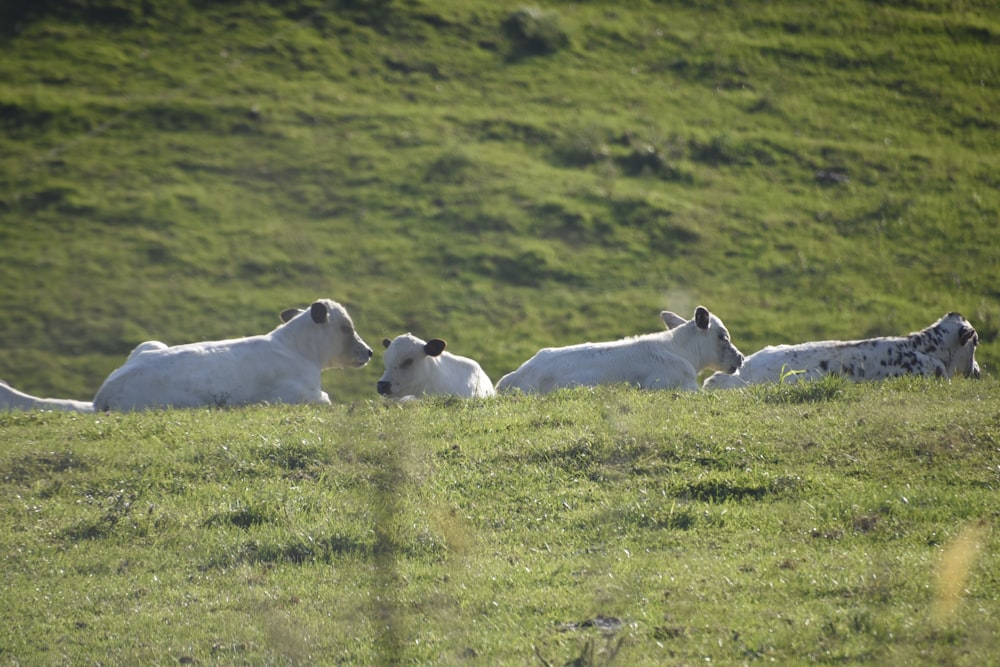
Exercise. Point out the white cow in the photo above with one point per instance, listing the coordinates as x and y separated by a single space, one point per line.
945 348
414 367
665 360
282 366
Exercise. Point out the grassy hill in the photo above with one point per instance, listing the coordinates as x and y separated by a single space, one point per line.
501 176
819 523
505 177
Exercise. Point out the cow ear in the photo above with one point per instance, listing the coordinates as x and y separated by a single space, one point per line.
319 313
289 314
672 320
701 317
966 334
434 347
386 343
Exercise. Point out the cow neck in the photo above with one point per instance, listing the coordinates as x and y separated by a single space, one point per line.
294 336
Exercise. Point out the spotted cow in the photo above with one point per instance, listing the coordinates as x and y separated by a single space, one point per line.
944 349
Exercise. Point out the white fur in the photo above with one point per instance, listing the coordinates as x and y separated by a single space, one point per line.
945 348
148 345
12 399
282 366
414 367
668 359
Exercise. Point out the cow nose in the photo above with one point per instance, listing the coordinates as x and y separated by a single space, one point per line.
384 388
363 358
736 367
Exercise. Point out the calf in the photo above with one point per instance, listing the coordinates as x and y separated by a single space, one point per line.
945 348
664 360
414 367
282 366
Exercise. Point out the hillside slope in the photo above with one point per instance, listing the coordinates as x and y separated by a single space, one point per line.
501 177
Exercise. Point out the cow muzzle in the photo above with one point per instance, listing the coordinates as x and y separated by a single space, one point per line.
363 358
384 388
736 366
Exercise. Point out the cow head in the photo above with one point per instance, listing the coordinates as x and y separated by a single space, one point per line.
408 362
327 332
963 359
709 340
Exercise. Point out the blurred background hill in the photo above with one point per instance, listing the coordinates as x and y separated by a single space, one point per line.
501 175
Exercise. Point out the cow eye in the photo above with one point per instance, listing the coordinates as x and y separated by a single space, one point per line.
406 364
347 330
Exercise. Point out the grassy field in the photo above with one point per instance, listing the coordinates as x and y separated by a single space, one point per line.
500 178
507 178
823 523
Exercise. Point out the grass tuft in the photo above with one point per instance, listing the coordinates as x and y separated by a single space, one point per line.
534 32
828 388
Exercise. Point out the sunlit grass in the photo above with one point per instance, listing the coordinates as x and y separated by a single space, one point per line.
853 525
182 173
801 174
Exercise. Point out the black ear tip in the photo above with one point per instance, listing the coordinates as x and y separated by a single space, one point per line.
701 317
318 312
386 343
966 334
434 347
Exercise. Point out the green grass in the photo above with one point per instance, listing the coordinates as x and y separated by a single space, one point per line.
507 180
500 178
769 525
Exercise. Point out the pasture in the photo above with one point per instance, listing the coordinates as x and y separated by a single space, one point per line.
819 522
507 178
186 171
